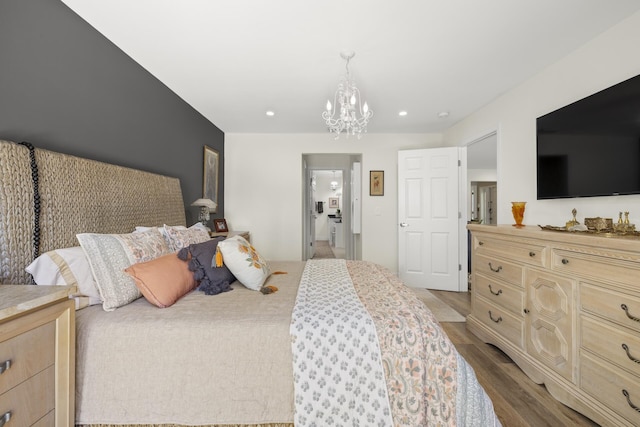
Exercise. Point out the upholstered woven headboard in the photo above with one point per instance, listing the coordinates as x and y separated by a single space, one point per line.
76 195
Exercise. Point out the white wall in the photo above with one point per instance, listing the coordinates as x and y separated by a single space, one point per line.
263 188
608 59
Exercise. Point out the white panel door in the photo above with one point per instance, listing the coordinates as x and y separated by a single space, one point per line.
429 219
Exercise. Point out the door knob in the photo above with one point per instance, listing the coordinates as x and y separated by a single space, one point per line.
404 224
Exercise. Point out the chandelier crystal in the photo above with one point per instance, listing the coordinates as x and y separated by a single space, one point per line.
347 113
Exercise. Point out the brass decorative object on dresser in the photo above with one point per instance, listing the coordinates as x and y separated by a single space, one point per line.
566 308
37 355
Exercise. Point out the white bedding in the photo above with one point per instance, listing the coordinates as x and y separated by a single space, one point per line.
228 359
203 360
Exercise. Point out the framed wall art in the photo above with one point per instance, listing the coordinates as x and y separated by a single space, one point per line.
210 175
334 202
376 183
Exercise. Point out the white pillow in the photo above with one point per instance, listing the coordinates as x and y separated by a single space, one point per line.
110 254
244 262
66 267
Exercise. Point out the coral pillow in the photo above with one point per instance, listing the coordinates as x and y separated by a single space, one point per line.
162 281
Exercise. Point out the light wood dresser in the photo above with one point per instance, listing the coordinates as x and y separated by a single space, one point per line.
37 356
566 308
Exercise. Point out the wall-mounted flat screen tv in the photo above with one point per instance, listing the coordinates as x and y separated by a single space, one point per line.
591 147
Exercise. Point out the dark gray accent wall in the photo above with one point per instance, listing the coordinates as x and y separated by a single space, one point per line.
66 88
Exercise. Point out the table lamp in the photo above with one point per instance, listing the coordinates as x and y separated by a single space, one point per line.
206 205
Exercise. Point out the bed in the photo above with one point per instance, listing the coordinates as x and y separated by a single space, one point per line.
339 342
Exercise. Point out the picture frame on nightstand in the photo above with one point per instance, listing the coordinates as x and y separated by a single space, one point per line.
220 225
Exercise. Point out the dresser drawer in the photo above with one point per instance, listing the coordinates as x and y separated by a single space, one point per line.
522 251
614 268
606 383
29 353
610 343
47 420
30 400
615 306
499 293
496 268
499 319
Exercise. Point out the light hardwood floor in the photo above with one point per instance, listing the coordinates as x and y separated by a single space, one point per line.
517 400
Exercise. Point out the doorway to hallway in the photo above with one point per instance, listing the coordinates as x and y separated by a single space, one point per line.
324 250
331 209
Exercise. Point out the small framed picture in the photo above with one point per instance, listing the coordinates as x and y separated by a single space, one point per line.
376 183
334 202
220 225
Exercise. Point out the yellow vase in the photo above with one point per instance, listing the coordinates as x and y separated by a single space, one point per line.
517 208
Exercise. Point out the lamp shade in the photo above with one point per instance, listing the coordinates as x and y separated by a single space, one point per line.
206 203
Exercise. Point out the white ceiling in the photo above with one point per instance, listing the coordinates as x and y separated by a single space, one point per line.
234 60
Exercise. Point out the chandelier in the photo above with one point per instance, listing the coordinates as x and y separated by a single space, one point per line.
347 114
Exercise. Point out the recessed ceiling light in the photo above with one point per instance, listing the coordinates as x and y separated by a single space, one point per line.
270 113
402 113
443 114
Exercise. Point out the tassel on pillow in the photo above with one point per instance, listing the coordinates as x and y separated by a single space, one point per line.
218 257
202 259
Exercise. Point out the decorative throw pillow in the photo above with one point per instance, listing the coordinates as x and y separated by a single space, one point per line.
244 262
181 238
201 256
110 254
66 267
162 281
141 228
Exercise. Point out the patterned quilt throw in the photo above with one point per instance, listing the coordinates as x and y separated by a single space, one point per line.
367 352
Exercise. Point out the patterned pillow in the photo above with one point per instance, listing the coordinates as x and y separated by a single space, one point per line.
181 238
245 262
110 254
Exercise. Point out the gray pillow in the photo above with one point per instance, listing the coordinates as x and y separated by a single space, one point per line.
211 280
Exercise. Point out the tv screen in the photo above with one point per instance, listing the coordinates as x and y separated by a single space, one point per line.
591 147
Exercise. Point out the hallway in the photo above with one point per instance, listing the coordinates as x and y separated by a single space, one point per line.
324 250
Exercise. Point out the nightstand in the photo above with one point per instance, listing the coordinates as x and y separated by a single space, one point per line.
244 234
37 355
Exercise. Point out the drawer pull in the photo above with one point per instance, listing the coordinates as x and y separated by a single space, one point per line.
5 366
498 320
626 310
626 394
532 254
5 418
565 261
495 270
626 349
494 293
